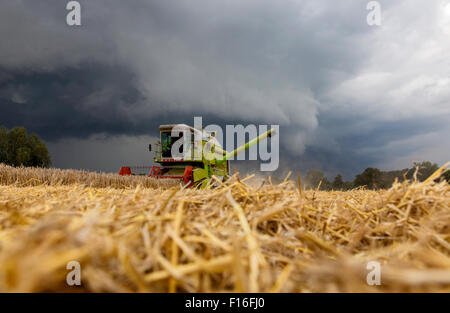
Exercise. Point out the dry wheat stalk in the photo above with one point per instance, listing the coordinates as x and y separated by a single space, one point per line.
272 238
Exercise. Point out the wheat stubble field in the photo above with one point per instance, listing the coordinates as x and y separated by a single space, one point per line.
135 234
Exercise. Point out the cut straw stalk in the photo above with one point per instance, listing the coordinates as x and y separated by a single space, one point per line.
212 266
140 239
252 244
174 258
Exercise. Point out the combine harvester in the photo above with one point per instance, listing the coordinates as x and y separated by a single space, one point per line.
196 168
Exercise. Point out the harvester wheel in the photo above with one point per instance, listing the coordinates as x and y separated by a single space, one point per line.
188 176
155 171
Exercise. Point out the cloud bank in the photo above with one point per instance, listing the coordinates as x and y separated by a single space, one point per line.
346 95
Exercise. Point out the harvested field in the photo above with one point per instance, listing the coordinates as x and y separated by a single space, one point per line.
237 237
29 176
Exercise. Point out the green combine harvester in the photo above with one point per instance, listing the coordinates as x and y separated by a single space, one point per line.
195 167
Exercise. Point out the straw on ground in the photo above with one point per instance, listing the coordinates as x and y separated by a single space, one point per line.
133 235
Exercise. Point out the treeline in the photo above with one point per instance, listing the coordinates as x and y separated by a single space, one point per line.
17 148
373 178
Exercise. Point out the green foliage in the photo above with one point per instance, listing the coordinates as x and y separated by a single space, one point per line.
19 149
3 145
447 176
424 169
371 177
388 177
348 185
314 178
374 178
338 182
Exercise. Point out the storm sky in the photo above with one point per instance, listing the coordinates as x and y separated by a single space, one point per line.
346 95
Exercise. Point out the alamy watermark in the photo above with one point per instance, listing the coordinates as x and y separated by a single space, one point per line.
374 16
374 276
73 278
214 136
73 18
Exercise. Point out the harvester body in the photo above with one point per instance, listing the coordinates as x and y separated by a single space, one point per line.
198 155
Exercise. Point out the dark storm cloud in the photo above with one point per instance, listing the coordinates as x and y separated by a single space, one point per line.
342 92
70 102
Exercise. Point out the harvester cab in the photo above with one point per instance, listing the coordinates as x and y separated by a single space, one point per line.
191 155
189 164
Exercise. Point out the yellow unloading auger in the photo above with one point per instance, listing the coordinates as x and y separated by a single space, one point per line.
196 167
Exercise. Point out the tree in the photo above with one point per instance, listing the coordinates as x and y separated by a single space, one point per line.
424 169
314 178
338 182
3 145
19 149
371 178
447 176
374 178
348 185
39 153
